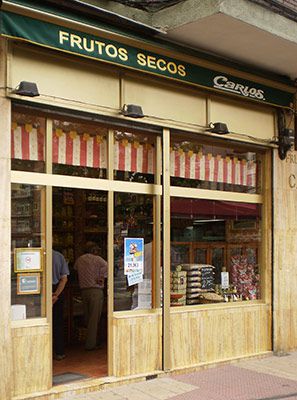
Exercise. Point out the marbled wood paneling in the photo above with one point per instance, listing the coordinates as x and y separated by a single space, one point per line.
285 252
216 334
137 344
31 359
5 333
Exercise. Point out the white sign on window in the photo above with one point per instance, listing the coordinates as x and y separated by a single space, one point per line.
225 280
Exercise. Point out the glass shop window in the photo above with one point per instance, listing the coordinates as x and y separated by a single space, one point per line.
134 247
207 166
134 156
215 247
27 251
79 149
27 141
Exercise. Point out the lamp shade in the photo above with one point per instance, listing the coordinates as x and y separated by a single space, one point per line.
219 127
27 89
132 110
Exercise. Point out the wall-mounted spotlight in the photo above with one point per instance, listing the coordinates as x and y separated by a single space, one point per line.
26 89
286 136
219 128
132 111
286 139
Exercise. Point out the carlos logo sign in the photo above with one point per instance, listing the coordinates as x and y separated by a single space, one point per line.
223 83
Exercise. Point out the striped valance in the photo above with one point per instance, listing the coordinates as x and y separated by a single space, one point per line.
207 167
85 150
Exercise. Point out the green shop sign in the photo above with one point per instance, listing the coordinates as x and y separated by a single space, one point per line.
79 43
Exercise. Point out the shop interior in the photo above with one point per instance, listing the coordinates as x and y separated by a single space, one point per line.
79 217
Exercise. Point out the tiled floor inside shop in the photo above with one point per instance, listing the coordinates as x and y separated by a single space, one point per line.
80 364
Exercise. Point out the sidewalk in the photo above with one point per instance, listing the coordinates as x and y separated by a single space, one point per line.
270 378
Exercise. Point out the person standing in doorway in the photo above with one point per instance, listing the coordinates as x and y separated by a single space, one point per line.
92 271
60 277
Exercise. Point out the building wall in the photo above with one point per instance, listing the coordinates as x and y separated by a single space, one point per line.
289 3
89 86
5 331
285 250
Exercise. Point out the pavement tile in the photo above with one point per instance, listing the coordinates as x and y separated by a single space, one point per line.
257 379
157 392
284 366
152 389
229 382
179 388
132 393
101 395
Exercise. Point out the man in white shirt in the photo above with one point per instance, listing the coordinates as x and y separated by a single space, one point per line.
92 270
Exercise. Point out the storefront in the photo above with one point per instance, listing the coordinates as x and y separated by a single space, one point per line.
195 206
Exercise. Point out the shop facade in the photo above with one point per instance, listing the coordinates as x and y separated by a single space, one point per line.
212 214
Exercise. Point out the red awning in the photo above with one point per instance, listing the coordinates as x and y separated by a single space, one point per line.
210 208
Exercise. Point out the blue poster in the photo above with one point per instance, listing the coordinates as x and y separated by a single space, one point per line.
133 259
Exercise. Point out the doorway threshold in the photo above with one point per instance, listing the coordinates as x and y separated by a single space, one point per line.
86 386
67 377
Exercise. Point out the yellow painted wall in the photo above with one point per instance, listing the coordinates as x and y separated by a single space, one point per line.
86 85
247 118
165 101
70 79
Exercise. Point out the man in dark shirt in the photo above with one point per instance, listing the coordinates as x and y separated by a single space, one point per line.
60 273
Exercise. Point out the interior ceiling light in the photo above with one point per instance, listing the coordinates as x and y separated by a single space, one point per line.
202 221
26 89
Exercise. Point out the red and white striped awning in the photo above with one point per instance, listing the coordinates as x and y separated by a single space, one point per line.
27 143
91 151
134 157
206 167
79 150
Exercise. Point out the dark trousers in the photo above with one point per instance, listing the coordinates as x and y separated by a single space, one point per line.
58 324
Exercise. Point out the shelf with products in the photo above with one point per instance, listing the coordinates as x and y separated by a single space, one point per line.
79 216
240 260
27 231
64 223
25 211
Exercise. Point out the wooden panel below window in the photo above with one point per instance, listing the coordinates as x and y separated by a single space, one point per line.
137 344
31 359
215 334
